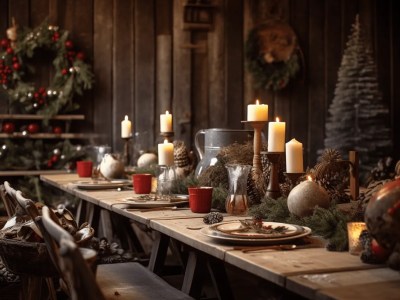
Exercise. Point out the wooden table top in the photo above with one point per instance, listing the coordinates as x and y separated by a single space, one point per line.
314 273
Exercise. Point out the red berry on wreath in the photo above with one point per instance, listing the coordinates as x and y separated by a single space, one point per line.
54 159
55 36
57 130
69 44
16 66
64 71
15 59
10 50
8 127
4 43
33 128
80 56
42 90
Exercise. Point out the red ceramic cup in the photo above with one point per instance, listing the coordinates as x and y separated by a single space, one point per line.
84 168
142 183
200 199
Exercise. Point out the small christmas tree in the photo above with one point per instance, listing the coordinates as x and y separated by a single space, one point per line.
358 118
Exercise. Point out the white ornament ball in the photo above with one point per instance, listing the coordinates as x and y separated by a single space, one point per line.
304 197
146 160
111 167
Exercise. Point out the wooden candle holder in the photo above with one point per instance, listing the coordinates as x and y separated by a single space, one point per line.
293 178
273 190
257 126
167 136
127 151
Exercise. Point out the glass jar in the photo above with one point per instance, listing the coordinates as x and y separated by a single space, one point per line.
237 201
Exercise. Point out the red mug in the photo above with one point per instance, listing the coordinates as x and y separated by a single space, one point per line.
142 183
200 199
84 168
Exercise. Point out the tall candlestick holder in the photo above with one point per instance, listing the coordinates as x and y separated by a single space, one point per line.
167 136
273 190
127 151
257 126
293 178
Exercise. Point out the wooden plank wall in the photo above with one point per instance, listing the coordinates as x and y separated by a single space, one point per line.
145 63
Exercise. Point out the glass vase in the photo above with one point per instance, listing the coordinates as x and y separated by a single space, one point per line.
237 201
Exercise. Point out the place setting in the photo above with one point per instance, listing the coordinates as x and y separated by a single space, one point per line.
250 232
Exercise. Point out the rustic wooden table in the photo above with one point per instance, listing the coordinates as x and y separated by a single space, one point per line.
313 273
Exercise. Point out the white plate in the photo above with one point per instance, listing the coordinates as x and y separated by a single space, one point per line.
145 201
233 229
101 185
250 241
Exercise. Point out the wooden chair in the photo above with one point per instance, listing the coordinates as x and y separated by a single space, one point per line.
113 281
9 199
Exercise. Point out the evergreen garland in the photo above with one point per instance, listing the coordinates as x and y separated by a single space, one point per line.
72 75
328 223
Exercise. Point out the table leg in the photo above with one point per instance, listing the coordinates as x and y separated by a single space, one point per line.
158 252
219 278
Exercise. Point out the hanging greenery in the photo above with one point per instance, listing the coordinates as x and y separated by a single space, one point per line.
272 55
71 74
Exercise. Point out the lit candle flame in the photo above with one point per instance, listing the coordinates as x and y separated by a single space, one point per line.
167 112
277 119
126 117
309 178
165 141
257 102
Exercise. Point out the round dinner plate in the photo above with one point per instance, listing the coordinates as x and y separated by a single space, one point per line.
100 184
139 201
235 229
251 241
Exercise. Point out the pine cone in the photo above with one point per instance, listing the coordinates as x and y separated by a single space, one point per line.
213 217
181 156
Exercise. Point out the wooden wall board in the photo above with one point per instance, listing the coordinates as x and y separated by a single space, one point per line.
102 67
182 77
234 66
167 75
295 128
145 67
39 11
201 114
316 100
163 86
216 66
123 63
395 74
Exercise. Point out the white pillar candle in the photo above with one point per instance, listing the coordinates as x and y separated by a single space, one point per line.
166 122
276 136
294 157
166 153
126 128
257 112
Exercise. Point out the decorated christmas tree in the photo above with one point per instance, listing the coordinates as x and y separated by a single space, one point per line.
358 118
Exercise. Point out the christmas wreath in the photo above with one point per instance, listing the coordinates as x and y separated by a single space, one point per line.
71 76
272 54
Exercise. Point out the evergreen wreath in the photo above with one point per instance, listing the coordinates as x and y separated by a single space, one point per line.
272 55
71 76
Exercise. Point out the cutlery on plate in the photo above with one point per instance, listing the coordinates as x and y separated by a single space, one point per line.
159 208
275 247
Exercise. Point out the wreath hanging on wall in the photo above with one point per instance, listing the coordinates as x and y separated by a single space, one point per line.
272 54
71 74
